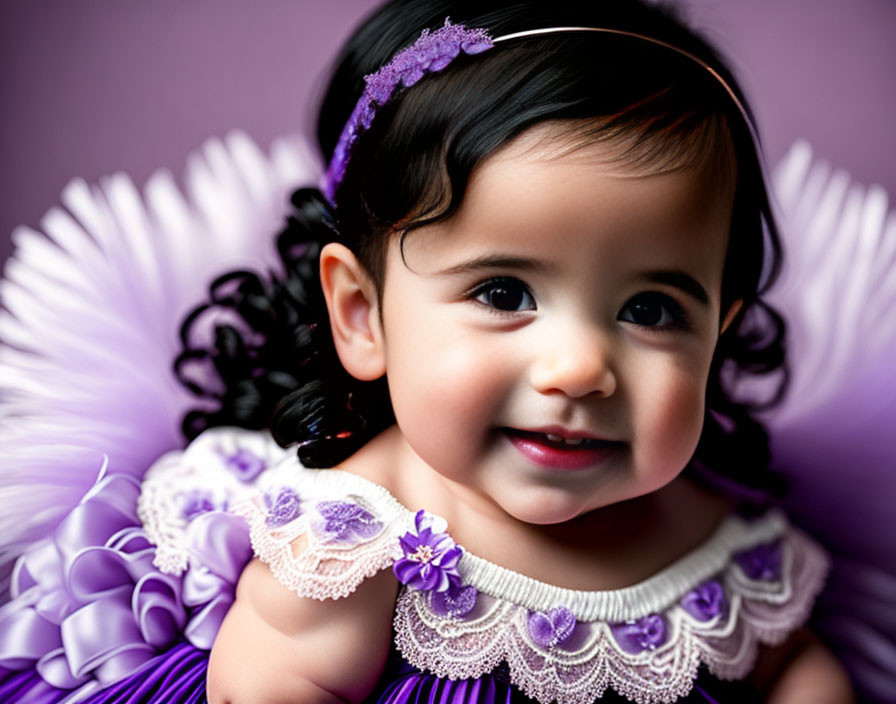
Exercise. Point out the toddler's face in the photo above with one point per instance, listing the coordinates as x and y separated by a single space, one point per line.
570 298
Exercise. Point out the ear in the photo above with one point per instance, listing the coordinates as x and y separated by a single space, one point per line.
354 313
731 314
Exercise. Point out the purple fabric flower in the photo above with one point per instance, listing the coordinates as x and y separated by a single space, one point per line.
283 508
196 503
761 562
430 559
344 521
706 601
647 633
244 464
551 628
454 602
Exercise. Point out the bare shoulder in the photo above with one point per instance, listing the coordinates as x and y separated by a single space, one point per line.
799 670
802 668
377 462
275 646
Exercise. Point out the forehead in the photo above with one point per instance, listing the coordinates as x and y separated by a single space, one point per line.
543 196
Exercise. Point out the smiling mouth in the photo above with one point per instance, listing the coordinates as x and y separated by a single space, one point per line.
560 452
559 441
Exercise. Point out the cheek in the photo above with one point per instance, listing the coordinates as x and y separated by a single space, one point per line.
671 420
452 389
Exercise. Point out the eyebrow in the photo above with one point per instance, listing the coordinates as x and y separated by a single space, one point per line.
494 261
680 280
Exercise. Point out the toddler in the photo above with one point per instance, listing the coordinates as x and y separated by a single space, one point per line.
542 242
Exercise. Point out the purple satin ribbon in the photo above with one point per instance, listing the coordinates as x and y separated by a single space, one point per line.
89 608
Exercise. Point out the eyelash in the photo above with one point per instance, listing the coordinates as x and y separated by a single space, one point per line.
679 319
497 283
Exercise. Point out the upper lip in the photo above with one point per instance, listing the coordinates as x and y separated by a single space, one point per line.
564 433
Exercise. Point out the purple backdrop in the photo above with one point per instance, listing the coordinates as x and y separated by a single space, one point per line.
98 86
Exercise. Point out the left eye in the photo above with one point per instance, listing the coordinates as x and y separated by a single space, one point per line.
507 295
653 310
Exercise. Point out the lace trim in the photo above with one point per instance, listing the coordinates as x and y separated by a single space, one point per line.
321 531
310 553
650 596
217 469
593 655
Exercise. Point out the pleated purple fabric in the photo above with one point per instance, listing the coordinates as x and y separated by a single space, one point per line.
175 677
402 683
178 677
421 688
28 688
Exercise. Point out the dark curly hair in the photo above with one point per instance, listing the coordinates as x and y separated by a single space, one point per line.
275 359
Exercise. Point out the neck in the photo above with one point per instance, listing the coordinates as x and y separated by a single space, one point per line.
607 548
608 528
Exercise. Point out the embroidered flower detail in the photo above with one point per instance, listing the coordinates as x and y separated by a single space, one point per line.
430 558
432 52
761 562
706 601
551 628
454 602
282 508
196 503
344 521
647 633
245 464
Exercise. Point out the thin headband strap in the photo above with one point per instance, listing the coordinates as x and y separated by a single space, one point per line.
432 52
741 108
715 74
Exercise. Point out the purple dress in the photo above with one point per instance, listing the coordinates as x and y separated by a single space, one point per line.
178 677
123 602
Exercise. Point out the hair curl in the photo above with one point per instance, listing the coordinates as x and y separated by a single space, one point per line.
278 365
273 353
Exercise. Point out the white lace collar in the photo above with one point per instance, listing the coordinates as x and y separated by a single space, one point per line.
324 531
651 595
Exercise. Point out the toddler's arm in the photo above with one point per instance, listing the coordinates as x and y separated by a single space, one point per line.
277 647
802 671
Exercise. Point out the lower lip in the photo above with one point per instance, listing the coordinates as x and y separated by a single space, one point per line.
555 457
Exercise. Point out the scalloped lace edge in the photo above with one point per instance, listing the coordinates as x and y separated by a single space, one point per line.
727 646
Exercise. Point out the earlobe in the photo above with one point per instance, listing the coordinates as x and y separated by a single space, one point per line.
353 310
731 314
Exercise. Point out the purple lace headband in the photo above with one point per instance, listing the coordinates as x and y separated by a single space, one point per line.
431 53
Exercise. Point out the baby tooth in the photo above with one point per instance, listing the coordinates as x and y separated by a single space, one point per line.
565 441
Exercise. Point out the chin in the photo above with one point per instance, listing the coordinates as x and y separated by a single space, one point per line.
548 510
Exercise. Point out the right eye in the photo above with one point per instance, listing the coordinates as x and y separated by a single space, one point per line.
504 294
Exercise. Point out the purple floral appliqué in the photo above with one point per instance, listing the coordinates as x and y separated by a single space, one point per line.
551 628
431 53
454 602
761 562
647 633
282 508
705 601
344 521
430 559
196 503
244 464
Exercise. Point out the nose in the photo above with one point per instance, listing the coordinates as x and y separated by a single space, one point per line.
574 362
